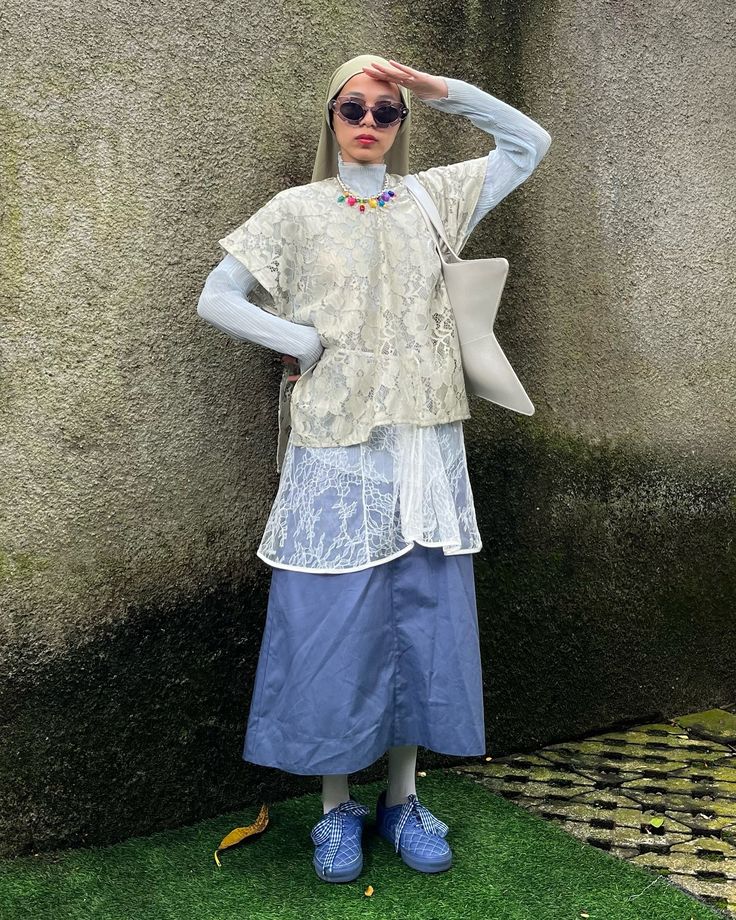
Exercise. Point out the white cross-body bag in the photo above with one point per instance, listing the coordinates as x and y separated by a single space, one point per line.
474 287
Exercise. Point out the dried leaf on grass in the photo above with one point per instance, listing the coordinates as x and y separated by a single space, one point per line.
241 833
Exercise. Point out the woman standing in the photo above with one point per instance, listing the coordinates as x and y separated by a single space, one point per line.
371 638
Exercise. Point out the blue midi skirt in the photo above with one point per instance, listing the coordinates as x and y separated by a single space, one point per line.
356 662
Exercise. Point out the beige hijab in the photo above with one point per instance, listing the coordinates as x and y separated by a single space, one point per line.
325 162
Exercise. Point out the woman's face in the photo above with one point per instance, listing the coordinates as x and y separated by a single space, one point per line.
369 91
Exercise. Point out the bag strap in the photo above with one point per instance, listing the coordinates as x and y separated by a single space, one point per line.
429 210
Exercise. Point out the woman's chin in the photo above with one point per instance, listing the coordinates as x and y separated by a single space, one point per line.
366 154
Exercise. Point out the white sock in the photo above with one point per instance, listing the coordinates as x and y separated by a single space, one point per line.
402 773
334 790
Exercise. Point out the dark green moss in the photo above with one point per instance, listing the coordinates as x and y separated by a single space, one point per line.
605 594
136 725
606 583
20 565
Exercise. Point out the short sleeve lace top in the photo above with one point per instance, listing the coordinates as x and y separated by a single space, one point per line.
371 284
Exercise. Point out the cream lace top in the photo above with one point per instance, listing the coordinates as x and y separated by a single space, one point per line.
391 387
371 285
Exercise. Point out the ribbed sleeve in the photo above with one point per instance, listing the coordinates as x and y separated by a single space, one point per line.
520 141
223 303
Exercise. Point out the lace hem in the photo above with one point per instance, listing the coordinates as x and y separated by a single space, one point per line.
342 509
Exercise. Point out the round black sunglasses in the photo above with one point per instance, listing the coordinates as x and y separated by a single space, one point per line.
353 111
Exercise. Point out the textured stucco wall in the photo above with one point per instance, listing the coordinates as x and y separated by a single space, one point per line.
137 448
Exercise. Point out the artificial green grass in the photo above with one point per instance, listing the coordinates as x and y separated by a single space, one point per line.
509 864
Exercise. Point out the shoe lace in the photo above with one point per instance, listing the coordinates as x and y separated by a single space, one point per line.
421 814
329 828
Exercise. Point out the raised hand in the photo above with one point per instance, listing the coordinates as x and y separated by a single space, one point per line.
423 85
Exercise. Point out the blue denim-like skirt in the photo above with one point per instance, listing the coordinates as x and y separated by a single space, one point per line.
357 662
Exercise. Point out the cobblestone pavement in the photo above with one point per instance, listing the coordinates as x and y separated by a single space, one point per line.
662 795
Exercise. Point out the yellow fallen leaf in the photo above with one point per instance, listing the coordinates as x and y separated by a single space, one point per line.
369 891
240 833
421 773
657 821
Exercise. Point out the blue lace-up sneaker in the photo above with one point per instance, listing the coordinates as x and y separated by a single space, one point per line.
338 856
415 833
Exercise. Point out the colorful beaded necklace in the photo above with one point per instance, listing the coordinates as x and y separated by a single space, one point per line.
374 201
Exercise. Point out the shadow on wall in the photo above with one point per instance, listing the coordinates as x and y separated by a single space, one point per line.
135 728
606 593
606 584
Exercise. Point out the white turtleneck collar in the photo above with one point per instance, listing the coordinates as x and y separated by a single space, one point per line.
364 178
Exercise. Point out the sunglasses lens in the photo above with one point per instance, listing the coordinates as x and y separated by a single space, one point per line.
352 111
387 114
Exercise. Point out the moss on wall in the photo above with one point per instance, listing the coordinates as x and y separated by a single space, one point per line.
11 223
20 565
607 580
138 443
605 593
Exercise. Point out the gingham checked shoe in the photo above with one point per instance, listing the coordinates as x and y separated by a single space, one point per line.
415 833
338 856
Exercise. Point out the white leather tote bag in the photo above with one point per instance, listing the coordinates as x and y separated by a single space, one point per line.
474 287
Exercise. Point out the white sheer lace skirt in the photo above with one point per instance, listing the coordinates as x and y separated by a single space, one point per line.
341 509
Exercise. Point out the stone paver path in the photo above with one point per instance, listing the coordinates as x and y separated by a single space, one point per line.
662 795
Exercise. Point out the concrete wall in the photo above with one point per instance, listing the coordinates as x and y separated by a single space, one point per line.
138 443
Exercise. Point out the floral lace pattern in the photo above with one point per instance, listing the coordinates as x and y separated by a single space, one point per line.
372 286
341 509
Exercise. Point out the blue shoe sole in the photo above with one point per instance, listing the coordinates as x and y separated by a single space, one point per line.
421 865
348 874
